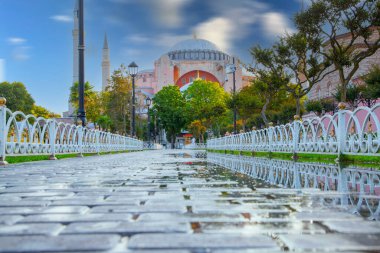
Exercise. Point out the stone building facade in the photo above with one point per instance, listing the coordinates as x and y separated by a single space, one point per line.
329 85
188 60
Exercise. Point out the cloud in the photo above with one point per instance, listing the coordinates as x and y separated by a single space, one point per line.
168 12
219 30
62 18
16 41
2 70
168 40
276 24
21 53
138 38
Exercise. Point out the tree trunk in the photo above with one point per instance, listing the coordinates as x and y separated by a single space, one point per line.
298 106
263 110
344 83
173 141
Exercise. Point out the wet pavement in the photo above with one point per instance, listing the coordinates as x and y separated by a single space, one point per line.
171 201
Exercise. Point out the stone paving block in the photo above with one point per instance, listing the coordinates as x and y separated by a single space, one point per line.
68 218
91 202
354 227
31 229
66 209
21 210
170 208
332 242
10 219
127 228
197 241
58 243
26 203
316 215
190 217
267 228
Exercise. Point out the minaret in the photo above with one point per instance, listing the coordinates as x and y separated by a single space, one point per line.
106 72
71 111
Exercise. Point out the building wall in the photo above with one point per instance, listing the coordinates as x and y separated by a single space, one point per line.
329 85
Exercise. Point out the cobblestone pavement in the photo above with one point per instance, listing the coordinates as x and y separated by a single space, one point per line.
162 201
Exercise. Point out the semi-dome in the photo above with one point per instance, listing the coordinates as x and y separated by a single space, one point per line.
196 49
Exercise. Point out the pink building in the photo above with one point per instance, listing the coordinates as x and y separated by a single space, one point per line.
188 60
328 86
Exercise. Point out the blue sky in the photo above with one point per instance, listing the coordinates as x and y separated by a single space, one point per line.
36 35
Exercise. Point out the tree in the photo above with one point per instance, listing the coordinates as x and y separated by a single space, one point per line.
247 103
40 111
372 79
18 98
74 95
324 19
170 106
271 78
300 56
104 122
206 101
197 130
118 100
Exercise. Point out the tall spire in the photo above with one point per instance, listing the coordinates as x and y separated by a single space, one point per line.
106 64
105 44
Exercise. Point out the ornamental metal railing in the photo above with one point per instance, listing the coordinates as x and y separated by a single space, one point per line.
345 132
356 189
22 134
195 146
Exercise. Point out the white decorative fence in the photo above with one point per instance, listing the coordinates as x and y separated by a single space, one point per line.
354 188
345 132
196 146
22 134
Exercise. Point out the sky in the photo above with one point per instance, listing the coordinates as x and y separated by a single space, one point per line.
36 46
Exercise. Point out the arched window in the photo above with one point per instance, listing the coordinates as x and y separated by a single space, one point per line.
319 92
328 90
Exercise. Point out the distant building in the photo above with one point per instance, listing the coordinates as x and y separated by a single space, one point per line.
329 85
188 60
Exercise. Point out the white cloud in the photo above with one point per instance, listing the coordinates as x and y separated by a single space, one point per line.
21 53
138 38
168 40
62 18
168 12
219 30
276 24
2 70
16 41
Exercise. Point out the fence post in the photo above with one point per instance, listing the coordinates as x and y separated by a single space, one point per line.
3 136
52 139
341 133
296 134
97 138
80 141
270 136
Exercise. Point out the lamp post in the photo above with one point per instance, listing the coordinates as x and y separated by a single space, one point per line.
81 109
133 69
231 69
148 102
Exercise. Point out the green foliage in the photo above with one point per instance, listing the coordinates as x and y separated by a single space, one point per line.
40 111
170 105
205 100
352 93
372 79
74 94
104 121
18 98
325 18
117 100
314 106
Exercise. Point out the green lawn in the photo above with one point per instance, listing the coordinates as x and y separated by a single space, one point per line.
359 160
33 158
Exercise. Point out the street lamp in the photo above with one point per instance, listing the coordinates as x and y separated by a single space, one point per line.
81 84
132 70
231 68
148 102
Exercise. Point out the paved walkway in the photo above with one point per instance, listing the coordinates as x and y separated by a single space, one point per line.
155 201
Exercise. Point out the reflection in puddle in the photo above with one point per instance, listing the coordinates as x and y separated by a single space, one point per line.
353 188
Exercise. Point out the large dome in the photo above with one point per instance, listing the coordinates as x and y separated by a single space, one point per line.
196 50
194 44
